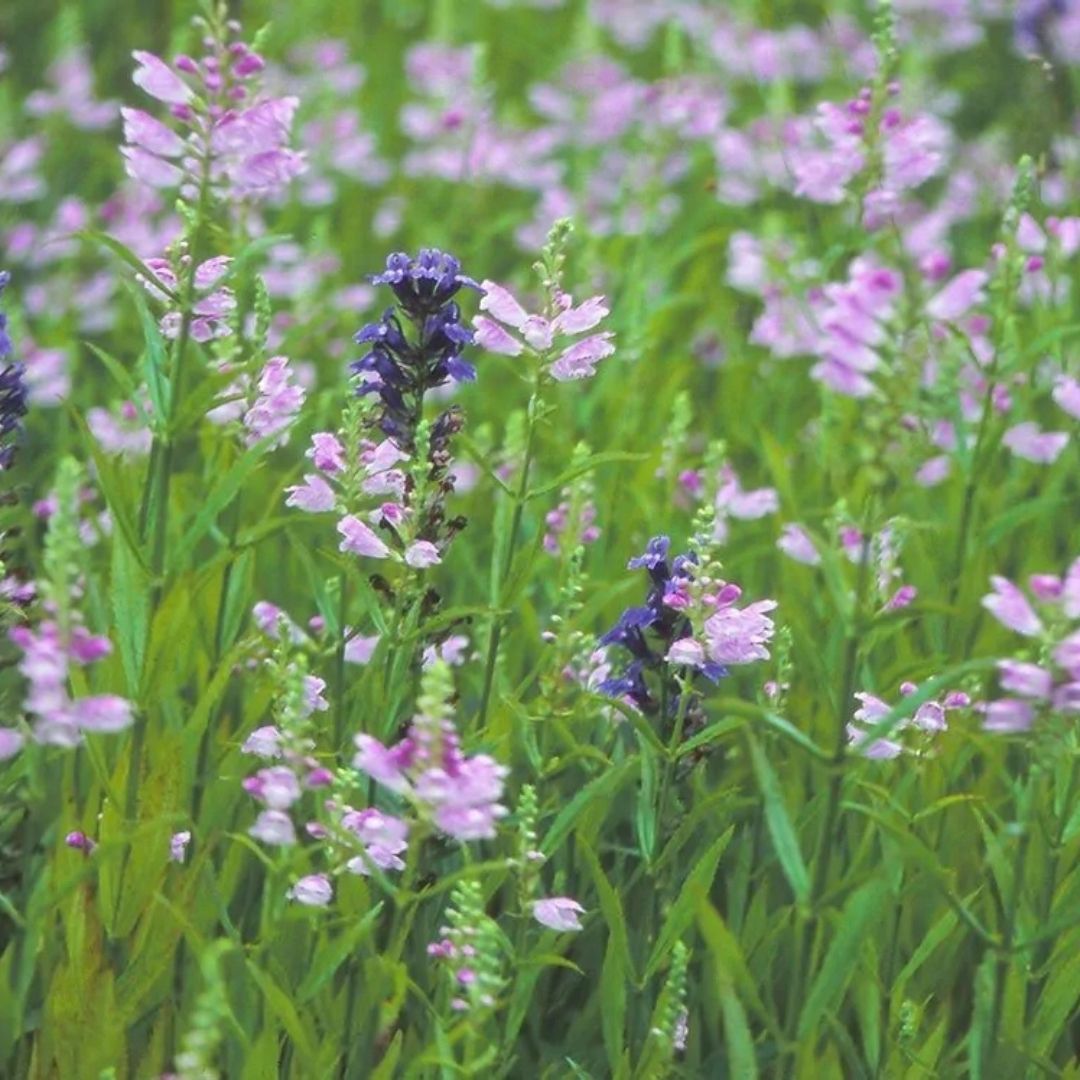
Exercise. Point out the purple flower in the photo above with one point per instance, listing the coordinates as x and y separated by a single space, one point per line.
1027 680
360 539
159 80
11 742
1008 716
314 890
1029 442
273 827
558 913
961 294
577 360
277 405
314 495
740 636
795 542
13 391
400 369
1010 607
178 846
421 554
264 742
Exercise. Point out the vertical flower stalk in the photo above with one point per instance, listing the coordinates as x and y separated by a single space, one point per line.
559 353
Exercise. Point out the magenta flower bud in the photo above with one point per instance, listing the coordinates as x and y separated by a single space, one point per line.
1045 587
79 841
186 64
248 64
320 777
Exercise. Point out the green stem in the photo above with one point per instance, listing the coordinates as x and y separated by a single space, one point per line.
495 633
808 938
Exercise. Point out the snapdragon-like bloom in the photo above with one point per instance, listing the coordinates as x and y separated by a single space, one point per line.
13 391
577 359
214 302
558 913
928 720
314 890
1049 683
58 718
279 400
458 794
400 370
853 320
219 125
739 635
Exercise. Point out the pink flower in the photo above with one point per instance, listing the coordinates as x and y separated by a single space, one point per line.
159 80
1008 716
385 766
264 742
795 542
274 827
384 839
1010 607
961 294
579 360
279 401
360 539
587 315
1027 680
737 636
491 336
141 129
314 890
276 787
103 712
558 913
502 305
11 742
360 649
1029 442
422 553
314 495
326 453
686 651
178 846
1067 395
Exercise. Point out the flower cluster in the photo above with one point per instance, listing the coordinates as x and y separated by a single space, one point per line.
570 359
400 371
471 946
280 786
1049 680
13 391
49 650
223 132
213 303
928 720
457 794
689 621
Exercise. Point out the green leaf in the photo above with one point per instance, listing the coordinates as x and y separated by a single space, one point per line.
218 498
603 786
281 1005
333 954
781 831
581 469
129 591
979 1034
697 884
857 921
